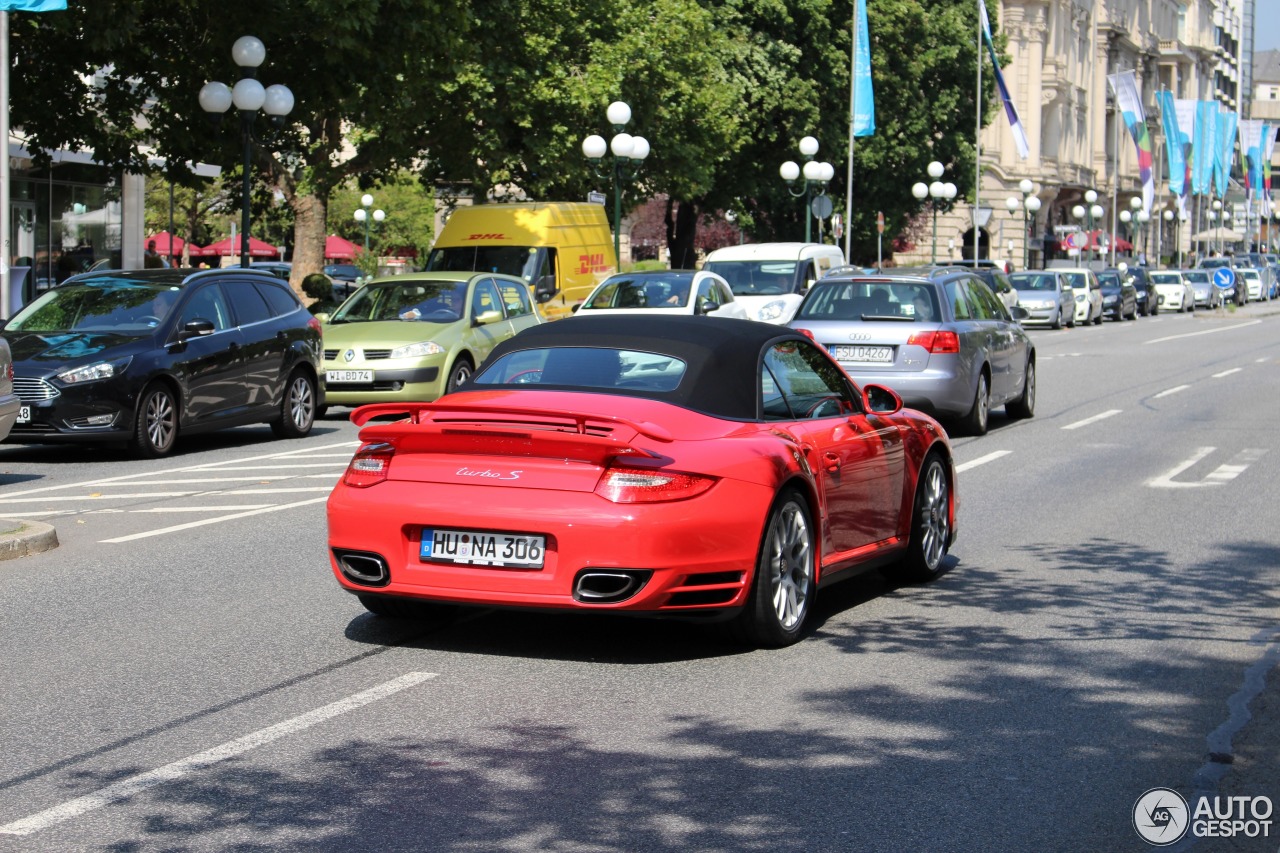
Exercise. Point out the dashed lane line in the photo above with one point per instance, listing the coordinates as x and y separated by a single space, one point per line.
1205 332
133 785
1174 390
1101 416
982 460
1227 372
178 528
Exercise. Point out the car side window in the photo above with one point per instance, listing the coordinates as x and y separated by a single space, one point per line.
250 307
280 299
960 307
208 303
485 298
988 307
807 381
515 298
708 292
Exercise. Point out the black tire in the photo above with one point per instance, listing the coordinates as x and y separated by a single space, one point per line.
1025 405
461 372
930 525
1057 320
401 608
321 411
155 429
1071 324
1097 321
975 423
297 407
784 581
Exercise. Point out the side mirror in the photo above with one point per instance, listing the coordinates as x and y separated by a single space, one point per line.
545 288
706 306
880 400
486 317
1019 313
197 328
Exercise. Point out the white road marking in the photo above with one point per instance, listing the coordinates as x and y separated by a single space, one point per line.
1234 468
181 469
1227 372
1174 390
132 785
982 460
1165 480
202 522
1205 332
1093 420
229 508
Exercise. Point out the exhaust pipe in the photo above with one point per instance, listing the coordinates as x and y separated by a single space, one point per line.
608 587
364 568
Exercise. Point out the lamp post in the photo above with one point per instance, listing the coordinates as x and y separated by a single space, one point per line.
816 177
1030 204
363 214
1216 240
628 153
249 96
934 190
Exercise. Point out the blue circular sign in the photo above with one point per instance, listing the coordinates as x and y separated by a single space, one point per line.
1224 278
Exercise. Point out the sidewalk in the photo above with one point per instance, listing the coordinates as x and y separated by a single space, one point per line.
1255 770
21 538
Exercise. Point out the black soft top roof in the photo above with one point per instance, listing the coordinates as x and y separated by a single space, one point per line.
723 355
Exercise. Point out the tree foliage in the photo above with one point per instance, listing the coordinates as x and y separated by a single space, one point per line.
494 97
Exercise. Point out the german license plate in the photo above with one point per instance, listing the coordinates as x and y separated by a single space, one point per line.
348 375
24 414
475 548
872 355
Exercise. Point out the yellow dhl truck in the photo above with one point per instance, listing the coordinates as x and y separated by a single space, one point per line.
563 249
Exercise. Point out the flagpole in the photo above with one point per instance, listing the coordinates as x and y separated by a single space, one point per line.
6 251
853 118
977 151
1115 188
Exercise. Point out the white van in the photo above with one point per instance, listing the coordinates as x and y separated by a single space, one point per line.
771 279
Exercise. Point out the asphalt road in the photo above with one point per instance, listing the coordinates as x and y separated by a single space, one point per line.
183 673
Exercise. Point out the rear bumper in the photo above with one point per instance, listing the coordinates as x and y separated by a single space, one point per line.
699 554
942 390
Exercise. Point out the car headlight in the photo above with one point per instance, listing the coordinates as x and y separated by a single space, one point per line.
1080 298
94 372
1108 300
771 310
417 350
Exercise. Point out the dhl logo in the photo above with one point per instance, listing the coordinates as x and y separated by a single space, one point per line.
486 236
592 264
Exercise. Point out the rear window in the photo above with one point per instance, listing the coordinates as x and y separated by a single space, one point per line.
1033 281
757 278
591 368
865 300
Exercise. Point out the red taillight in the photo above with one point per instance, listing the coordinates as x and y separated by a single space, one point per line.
648 485
938 341
369 466
315 324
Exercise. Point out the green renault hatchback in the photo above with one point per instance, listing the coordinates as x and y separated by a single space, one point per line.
416 337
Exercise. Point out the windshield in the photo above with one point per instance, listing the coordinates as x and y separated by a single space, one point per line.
342 271
584 367
757 278
426 301
520 261
1214 263
1166 278
1196 277
864 300
1033 281
125 307
1109 279
645 291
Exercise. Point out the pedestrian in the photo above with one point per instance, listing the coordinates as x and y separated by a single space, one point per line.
152 258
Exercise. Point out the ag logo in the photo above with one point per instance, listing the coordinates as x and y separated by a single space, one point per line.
1160 816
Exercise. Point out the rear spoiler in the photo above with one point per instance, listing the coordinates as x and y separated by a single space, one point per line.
422 432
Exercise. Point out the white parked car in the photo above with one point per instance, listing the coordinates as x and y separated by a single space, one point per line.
770 279
685 292
1088 293
1174 291
1252 280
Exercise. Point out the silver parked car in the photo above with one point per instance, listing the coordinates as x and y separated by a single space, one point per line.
938 337
10 405
1047 296
1201 281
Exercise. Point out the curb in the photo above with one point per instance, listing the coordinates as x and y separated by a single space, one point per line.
23 538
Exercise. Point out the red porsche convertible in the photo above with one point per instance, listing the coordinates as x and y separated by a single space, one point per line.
672 466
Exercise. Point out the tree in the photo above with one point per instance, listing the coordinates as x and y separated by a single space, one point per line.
122 78
409 228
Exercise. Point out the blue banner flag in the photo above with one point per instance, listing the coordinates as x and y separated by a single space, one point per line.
1173 143
1019 133
1226 141
33 5
864 100
1203 149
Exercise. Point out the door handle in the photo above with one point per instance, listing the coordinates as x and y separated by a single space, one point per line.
832 461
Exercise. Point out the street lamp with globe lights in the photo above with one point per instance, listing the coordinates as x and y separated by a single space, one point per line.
363 214
248 96
1030 205
816 177
628 153
934 190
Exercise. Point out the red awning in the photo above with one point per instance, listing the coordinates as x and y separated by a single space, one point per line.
340 248
162 239
257 248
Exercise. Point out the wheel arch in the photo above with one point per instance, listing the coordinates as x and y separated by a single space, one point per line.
175 386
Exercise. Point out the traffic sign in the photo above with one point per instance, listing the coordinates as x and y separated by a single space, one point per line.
821 206
594 197
1224 278
1076 240
879 223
